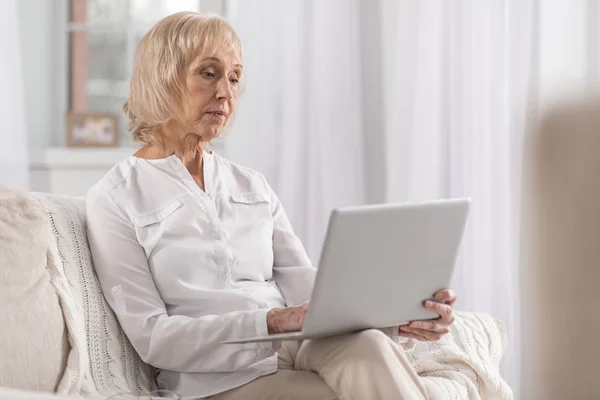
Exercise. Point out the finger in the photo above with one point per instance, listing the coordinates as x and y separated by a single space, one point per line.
429 336
431 326
443 310
446 296
411 335
297 315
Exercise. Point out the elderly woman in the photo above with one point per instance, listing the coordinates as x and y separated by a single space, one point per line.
192 249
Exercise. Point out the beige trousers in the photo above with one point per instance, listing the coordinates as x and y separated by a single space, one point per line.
362 366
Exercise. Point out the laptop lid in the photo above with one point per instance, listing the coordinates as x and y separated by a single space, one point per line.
380 262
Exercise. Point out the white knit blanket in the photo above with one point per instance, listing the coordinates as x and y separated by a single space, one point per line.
465 363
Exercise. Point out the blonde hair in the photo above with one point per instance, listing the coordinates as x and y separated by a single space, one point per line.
160 63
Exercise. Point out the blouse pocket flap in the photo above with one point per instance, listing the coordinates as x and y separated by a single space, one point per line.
249 198
157 216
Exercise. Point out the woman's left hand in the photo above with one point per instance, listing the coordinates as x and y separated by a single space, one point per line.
432 330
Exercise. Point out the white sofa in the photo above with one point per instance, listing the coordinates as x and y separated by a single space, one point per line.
63 340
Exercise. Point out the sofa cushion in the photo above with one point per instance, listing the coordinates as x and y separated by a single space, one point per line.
33 340
113 363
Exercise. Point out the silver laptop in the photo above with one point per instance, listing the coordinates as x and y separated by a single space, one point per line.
379 263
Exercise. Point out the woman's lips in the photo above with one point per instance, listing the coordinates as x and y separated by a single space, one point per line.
219 114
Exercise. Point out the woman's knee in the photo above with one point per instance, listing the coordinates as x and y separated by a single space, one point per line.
370 345
369 342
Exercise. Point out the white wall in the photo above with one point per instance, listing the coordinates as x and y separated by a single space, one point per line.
44 67
13 148
38 28
568 50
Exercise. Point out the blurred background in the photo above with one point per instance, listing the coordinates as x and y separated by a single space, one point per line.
346 102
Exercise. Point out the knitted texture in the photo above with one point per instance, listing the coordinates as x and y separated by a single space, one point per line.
114 366
465 363
76 376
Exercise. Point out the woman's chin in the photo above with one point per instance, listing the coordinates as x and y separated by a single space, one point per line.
210 134
209 131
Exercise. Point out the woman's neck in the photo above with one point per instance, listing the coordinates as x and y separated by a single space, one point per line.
187 147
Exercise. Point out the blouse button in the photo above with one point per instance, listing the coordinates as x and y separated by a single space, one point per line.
224 276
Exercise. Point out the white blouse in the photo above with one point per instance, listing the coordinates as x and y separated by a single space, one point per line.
184 269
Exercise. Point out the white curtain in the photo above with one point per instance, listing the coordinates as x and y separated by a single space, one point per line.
395 100
457 86
299 121
13 148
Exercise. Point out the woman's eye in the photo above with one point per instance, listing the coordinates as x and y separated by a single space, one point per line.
234 81
208 74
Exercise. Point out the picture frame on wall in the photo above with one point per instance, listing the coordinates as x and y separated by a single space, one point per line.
92 130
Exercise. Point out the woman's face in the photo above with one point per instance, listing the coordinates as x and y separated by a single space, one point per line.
212 93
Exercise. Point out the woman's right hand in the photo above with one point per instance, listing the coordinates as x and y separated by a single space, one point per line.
289 319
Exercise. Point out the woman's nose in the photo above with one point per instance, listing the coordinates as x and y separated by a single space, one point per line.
224 89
